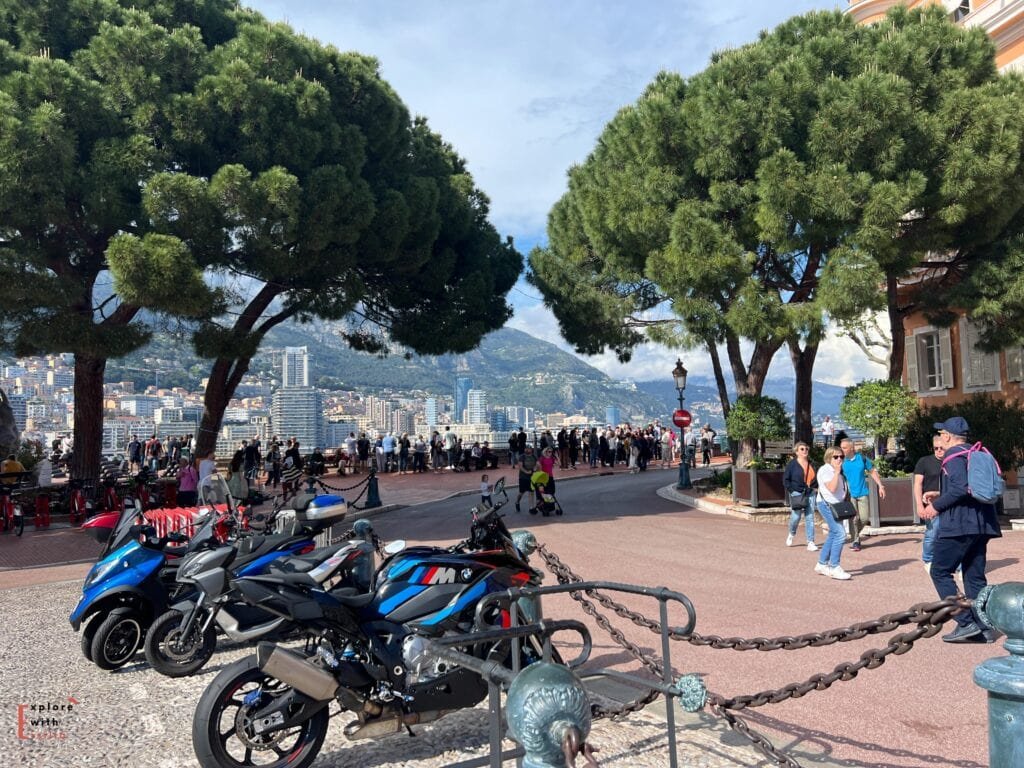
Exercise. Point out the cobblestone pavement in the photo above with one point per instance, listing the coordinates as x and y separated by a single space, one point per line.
136 717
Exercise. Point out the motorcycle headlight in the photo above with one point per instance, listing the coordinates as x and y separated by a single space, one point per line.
189 570
100 571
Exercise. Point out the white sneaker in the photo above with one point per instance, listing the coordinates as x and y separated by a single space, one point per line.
839 573
822 568
812 547
789 540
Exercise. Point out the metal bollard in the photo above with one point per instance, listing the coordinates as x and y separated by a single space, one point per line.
1001 607
372 491
41 519
526 543
546 704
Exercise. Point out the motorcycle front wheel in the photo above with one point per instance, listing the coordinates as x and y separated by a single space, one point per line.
171 654
222 730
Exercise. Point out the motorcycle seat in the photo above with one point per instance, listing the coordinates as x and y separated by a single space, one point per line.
302 563
353 601
301 501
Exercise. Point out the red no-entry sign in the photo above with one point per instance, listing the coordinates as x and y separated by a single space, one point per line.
681 418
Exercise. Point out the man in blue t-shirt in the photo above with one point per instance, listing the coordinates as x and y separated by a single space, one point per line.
856 468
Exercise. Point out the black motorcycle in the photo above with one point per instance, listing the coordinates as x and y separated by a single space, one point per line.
271 709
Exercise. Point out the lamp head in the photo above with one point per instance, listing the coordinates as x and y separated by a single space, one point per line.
679 375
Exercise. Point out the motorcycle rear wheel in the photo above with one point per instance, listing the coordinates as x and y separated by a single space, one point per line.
172 656
222 737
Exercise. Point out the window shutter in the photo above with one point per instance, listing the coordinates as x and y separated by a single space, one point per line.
913 382
978 366
946 358
1014 364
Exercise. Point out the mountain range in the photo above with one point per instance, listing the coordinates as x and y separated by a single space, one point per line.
513 367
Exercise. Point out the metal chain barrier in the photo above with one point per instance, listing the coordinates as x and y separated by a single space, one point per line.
328 487
929 618
365 482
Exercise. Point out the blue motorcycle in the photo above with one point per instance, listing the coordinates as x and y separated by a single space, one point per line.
135 579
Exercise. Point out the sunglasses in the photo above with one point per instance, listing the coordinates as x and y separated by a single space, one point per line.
837 458
938 448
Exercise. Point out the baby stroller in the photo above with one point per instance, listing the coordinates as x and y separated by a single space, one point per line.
544 502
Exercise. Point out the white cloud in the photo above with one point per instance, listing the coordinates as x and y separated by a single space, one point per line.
523 89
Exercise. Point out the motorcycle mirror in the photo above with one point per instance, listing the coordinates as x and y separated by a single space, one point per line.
394 547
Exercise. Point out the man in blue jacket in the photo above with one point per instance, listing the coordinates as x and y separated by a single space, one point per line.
966 526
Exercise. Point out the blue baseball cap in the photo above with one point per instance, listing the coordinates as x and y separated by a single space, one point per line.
955 425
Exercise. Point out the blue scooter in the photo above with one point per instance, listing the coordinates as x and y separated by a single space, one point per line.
135 579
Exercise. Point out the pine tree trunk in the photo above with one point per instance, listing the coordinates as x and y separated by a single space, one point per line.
803 367
896 316
749 380
723 392
88 448
220 388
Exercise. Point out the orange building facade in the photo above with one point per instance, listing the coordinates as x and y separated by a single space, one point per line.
944 364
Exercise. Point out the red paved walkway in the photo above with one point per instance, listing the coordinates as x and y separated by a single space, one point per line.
36 550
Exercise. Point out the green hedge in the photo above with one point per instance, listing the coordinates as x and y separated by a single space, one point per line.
997 423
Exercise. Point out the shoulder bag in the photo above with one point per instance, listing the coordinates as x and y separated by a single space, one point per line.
842 510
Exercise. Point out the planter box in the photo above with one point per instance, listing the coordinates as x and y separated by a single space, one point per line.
898 504
758 487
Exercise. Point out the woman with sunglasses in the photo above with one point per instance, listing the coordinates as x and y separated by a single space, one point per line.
801 482
832 489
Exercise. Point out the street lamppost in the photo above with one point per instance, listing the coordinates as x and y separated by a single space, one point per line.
679 377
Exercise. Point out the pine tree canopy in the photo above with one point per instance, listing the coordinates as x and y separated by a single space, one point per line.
785 183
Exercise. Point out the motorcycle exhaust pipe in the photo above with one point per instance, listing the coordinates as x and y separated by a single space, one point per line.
292 669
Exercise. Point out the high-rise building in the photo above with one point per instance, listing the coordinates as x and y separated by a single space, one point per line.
298 412
498 420
403 421
462 386
612 415
295 367
430 411
476 407
519 416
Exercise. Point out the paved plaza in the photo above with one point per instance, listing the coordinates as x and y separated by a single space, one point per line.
920 709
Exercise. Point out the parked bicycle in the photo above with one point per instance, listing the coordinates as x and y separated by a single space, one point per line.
12 517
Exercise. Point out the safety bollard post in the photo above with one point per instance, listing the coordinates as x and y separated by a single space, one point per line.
41 518
547 708
372 491
1001 607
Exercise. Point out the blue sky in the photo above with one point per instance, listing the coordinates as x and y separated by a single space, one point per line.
523 89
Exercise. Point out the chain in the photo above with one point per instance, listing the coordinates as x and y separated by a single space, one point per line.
325 486
929 618
365 482
758 740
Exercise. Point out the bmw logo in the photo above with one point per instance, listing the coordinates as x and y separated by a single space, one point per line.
467 574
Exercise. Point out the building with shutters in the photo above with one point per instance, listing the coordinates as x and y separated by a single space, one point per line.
945 364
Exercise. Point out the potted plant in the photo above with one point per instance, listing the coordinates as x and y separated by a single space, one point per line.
757 480
898 504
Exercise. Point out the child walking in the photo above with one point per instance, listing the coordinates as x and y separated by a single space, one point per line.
485 492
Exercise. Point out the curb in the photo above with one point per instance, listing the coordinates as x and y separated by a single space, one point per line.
671 493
